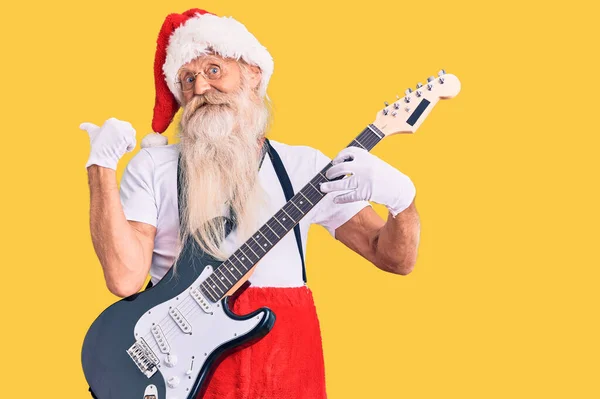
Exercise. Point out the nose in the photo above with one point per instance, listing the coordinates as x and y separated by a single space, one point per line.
201 85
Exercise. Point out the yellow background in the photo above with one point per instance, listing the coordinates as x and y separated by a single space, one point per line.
503 302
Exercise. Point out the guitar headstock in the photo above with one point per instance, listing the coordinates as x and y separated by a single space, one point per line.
407 114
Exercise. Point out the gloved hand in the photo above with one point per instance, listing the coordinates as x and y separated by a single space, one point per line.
109 142
372 180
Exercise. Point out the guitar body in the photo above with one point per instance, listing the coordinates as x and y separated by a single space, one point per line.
185 351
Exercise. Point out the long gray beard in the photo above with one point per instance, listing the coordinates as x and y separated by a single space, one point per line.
220 147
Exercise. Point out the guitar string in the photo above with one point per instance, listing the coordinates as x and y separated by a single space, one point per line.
189 311
184 307
188 302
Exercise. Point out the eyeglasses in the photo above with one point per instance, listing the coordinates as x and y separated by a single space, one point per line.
211 71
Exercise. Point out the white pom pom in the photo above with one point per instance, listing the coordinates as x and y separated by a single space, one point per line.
153 140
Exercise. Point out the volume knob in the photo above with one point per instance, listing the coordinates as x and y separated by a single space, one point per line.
173 381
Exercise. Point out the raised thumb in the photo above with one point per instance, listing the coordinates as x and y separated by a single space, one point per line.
87 126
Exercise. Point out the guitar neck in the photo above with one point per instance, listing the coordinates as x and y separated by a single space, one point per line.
232 270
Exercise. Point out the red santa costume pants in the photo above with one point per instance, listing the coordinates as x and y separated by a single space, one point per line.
285 364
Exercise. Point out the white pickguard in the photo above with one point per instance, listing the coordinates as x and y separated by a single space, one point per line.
187 353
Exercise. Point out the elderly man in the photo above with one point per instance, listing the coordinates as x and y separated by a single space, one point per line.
218 72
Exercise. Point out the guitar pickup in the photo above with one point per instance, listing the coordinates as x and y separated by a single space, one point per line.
160 339
201 300
180 321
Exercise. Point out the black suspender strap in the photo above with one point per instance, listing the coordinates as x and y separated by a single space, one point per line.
288 190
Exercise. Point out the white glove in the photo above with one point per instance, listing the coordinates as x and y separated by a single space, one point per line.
372 180
109 142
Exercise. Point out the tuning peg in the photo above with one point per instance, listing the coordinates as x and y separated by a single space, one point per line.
407 99
429 79
441 72
398 97
394 113
386 103
419 93
385 111
419 85
408 91
396 106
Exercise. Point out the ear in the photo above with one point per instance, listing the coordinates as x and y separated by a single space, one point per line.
254 76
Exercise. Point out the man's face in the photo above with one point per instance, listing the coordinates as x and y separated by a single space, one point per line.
213 72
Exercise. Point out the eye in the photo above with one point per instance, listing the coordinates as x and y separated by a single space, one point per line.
214 70
186 77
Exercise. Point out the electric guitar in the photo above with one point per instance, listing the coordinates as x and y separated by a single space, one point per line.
164 342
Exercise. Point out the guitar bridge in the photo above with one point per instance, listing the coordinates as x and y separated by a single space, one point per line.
143 357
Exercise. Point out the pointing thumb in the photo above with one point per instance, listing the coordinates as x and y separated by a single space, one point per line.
87 126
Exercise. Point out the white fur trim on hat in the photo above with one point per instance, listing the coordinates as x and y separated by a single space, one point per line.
153 140
225 35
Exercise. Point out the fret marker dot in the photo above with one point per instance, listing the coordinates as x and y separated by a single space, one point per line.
231 268
283 219
221 278
301 202
265 245
243 258
214 286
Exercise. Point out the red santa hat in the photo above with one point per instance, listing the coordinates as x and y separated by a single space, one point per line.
186 36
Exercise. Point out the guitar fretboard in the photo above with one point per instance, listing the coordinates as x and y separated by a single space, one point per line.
231 271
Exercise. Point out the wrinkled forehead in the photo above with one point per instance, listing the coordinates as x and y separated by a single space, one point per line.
210 56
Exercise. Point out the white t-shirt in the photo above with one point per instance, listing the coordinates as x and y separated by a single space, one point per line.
148 194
